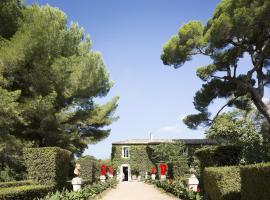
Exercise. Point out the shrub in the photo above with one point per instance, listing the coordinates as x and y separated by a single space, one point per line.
16 183
178 189
225 155
84 194
255 180
89 169
222 183
27 192
48 165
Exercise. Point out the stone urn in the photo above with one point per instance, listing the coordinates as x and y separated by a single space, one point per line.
77 183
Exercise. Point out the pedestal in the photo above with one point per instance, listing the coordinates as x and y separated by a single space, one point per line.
153 177
192 182
102 178
146 176
77 184
162 177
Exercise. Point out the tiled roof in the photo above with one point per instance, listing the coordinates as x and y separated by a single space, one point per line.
158 141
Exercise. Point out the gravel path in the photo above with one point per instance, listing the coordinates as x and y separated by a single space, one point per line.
136 191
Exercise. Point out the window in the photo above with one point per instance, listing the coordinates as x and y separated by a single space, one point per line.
125 152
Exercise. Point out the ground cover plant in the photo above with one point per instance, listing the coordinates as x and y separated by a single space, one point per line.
86 193
177 187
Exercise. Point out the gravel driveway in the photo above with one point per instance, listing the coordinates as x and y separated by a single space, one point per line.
136 191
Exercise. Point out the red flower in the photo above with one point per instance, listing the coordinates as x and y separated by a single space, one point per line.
163 169
154 170
198 189
111 170
103 170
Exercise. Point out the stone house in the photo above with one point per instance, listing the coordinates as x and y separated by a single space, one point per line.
131 156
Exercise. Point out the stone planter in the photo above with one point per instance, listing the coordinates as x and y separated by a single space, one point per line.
77 184
102 178
134 177
153 177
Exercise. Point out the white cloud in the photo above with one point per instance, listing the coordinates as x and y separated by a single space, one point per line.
265 99
171 129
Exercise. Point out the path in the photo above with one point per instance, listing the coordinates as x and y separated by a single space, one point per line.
136 191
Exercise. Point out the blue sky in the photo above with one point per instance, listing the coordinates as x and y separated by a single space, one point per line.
130 35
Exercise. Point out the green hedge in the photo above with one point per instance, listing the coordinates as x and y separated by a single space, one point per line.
27 192
48 165
222 183
255 181
89 169
225 155
16 184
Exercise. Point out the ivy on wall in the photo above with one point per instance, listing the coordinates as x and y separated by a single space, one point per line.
138 158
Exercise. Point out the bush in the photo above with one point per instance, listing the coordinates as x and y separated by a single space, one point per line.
225 155
178 189
255 180
48 165
16 183
27 192
89 169
84 194
222 183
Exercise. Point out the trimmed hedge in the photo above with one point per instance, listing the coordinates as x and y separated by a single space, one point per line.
27 192
90 169
222 183
225 155
16 184
48 165
255 181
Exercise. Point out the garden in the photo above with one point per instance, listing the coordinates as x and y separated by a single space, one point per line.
52 84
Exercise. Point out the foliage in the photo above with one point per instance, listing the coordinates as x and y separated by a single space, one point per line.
89 168
12 165
255 181
237 129
226 155
219 155
178 189
49 78
139 159
84 194
222 183
237 29
10 13
27 192
48 165
16 183
167 152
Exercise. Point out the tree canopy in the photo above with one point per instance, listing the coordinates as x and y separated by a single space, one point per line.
237 29
49 80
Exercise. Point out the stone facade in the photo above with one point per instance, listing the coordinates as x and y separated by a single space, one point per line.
133 156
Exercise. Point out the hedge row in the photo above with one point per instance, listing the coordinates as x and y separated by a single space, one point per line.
27 192
48 165
222 183
255 182
90 169
225 183
16 183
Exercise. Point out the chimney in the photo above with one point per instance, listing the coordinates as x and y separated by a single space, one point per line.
151 136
